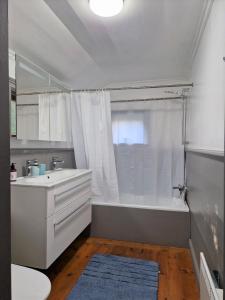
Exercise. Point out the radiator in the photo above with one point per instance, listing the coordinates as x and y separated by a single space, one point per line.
208 291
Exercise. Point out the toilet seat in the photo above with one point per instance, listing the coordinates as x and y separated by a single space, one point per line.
29 284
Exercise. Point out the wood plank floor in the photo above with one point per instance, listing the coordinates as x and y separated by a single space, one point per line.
177 279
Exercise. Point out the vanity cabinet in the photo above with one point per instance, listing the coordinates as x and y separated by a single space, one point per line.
47 215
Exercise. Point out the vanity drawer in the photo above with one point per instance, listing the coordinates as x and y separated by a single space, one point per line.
72 208
67 225
72 196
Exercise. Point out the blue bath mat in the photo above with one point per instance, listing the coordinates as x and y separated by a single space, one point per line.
110 277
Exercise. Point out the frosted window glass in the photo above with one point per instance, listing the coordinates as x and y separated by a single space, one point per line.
128 128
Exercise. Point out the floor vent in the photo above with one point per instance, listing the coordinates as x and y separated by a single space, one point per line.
208 290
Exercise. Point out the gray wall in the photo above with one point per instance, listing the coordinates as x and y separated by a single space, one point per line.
20 156
205 179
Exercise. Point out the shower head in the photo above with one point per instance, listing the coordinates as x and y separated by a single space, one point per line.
178 93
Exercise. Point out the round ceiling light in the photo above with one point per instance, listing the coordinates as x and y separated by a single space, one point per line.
106 8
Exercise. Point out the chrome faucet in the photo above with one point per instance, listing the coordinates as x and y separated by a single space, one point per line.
56 162
29 164
183 189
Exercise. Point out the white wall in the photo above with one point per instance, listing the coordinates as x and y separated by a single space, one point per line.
12 64
206 106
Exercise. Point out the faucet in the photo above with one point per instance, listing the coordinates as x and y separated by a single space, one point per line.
29 164
55 162
183 189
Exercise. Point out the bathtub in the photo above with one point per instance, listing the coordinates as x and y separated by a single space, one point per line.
165 222
174 204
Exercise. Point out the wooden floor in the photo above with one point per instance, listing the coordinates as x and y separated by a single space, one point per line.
177 279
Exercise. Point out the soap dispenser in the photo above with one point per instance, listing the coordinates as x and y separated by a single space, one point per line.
13 172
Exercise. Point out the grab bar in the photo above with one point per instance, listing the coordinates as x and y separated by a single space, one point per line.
184 120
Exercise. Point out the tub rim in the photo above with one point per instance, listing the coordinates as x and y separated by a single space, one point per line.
153 207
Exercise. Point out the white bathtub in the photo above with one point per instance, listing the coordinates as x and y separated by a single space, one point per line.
165 222
173 204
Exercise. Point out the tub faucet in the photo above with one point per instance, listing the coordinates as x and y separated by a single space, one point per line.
56 162
183 189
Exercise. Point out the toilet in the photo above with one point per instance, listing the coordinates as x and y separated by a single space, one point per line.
29 284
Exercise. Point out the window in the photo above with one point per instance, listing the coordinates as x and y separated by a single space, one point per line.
128 127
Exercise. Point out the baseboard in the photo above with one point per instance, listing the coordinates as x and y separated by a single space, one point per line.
195 260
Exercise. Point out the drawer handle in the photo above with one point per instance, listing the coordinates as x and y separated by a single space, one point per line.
67 193
72 213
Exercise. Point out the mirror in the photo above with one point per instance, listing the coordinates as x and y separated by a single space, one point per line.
13 111
12 94
42 105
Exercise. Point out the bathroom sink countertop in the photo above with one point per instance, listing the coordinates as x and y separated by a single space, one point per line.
51 178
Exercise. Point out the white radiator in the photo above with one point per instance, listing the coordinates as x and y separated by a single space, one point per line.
208 291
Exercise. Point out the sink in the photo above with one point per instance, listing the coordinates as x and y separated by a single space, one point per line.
47 213
51 178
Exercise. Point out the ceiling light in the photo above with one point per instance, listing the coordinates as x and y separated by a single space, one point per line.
106 8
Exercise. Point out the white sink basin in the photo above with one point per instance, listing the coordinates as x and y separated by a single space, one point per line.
51 178
48 212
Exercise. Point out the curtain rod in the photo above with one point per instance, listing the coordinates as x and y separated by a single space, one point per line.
125 88
144 87
122 101
42 93
149 99
27 104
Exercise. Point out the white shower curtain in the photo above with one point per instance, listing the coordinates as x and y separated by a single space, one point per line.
27 122
54 117
92 139
147 139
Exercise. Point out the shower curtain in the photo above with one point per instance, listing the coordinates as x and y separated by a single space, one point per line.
54 117
27 122
147 138
92 139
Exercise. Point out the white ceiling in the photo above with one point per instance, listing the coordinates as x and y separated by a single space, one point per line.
149 40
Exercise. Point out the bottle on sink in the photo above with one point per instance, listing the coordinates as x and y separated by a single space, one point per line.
13 172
